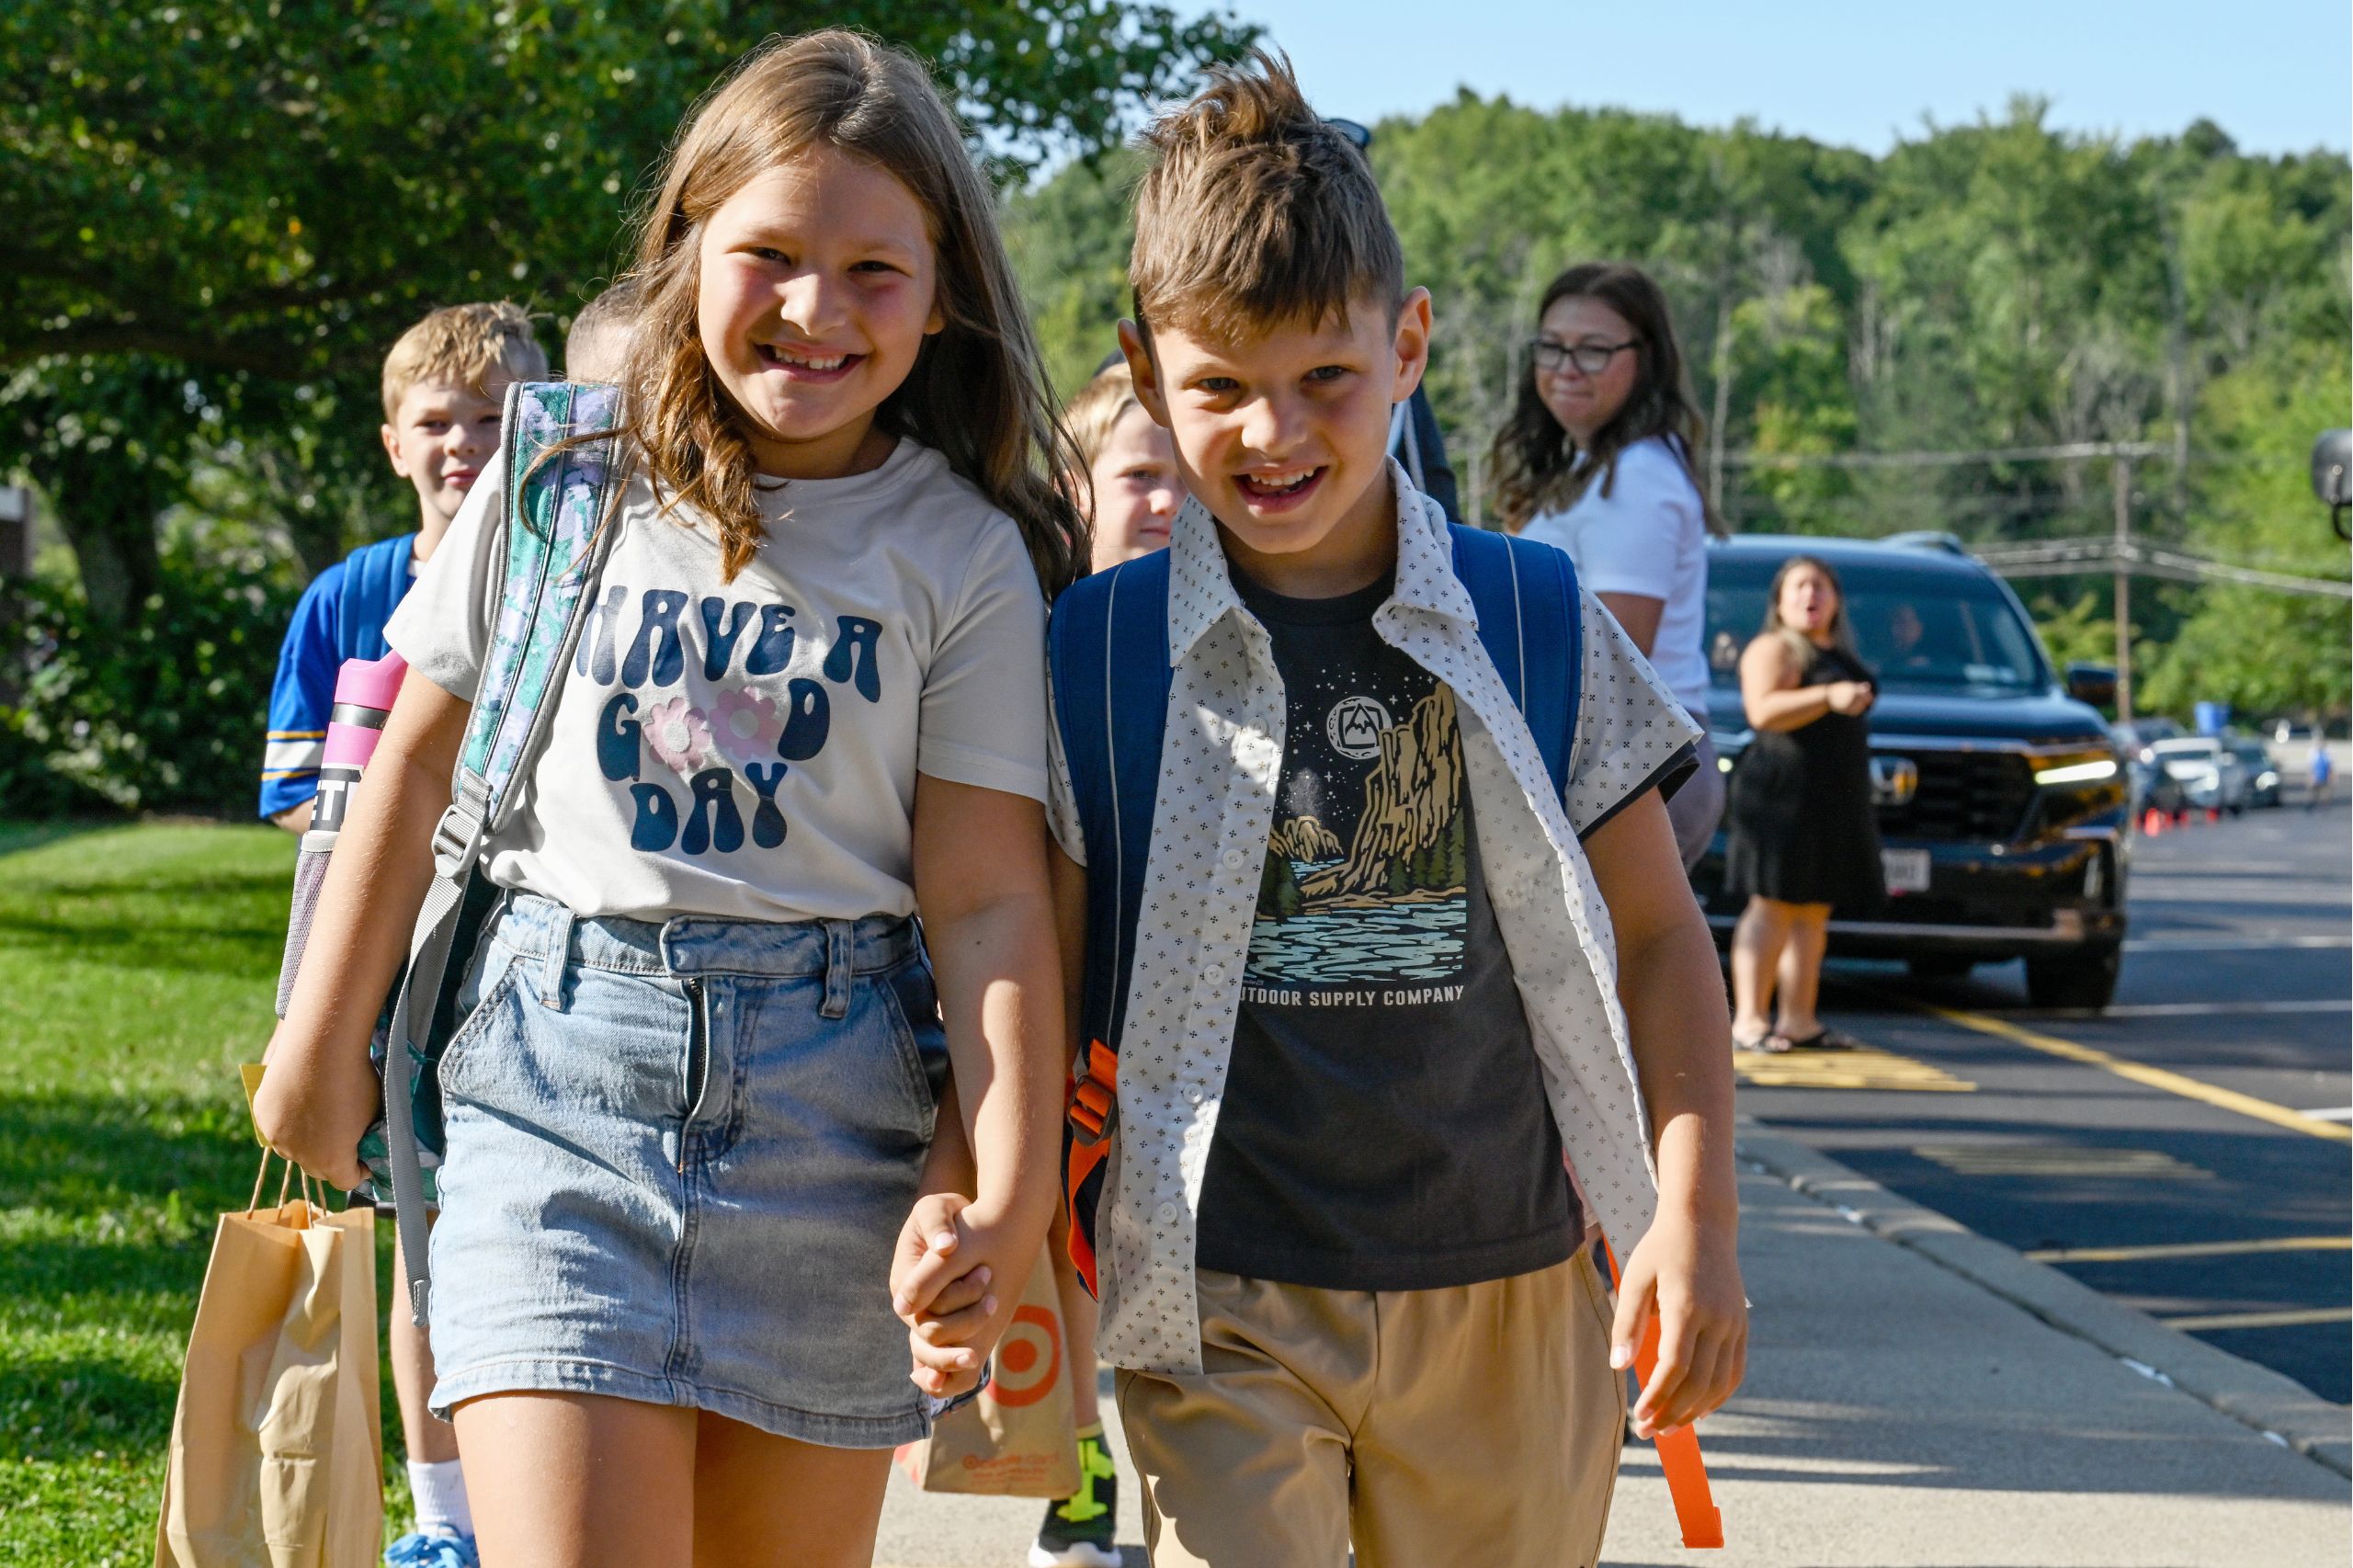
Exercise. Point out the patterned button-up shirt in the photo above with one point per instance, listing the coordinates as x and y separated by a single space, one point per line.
1221 763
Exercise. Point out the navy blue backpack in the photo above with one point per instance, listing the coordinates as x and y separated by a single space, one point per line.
1107 646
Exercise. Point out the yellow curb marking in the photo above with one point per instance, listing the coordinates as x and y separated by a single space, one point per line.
2261 1320
2191 1249
1865 1069
2155 1077
2060 1160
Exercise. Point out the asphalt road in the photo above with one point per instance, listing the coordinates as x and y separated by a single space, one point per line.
2153 1152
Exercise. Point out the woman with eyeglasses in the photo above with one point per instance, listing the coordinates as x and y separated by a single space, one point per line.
1597 458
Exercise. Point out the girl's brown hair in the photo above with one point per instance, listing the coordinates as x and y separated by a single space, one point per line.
1842 631
1536 462
976 394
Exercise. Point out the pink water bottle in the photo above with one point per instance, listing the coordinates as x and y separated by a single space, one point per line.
364 689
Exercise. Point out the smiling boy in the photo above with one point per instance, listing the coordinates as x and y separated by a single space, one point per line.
1388 958
444 385
445 389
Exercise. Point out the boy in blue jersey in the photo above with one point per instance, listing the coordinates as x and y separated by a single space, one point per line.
445 387
445 382
1383 961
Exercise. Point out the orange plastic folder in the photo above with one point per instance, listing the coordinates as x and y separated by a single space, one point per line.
1019 1437
1678 1451
277 1457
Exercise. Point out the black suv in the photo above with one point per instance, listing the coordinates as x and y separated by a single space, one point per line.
2001 798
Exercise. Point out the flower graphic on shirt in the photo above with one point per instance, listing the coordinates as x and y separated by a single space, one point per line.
746 726
679 734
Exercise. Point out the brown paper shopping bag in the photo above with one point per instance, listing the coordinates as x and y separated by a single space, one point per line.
1019 1438
276 1454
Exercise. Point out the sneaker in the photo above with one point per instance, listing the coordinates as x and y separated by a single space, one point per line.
436 1549
1080 1529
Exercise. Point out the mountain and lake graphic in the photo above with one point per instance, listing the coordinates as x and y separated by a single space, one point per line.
1391 904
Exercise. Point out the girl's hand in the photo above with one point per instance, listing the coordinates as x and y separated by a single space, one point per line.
1849 697
950 1254
1691 1277
315 1110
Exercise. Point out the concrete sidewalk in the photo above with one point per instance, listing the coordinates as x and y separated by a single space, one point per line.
1896 1413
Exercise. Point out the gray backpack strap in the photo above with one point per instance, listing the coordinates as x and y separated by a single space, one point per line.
554 549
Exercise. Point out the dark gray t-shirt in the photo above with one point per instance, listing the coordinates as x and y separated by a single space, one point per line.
1384 1125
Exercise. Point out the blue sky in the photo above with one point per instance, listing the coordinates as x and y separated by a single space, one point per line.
2276 75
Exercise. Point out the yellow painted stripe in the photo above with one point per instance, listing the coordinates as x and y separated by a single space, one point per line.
2060 1160
2260 1320
1864 1069
2192 1249
2155 1077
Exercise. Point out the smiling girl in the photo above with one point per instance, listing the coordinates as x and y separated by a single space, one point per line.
694 1102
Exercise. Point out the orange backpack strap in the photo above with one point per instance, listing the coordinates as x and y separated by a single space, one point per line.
1678 1451
1093 1110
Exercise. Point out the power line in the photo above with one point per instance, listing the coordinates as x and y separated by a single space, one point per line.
2074 450
2059 558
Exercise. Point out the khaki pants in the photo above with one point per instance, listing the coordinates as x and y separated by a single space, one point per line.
1478 1425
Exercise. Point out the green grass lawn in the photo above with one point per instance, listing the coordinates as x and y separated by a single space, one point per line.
137 969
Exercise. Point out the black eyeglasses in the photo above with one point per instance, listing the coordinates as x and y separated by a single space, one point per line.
1590 359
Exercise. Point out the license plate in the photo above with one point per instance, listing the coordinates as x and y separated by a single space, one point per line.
1906 871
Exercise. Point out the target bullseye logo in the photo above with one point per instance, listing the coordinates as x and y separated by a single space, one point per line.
1028 1358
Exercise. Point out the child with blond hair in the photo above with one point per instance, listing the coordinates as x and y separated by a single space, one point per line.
1129 469
444 381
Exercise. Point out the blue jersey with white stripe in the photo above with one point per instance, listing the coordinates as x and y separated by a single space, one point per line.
341 616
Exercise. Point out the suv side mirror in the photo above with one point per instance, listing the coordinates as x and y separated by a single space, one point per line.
2333 475
2092 684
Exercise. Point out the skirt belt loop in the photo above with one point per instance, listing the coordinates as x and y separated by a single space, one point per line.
559 954
841 954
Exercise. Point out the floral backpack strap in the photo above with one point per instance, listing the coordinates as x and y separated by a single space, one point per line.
554 549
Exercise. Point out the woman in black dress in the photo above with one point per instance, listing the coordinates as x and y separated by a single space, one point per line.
1803 838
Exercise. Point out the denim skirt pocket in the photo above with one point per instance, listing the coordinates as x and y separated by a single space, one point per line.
492 1001
919 1035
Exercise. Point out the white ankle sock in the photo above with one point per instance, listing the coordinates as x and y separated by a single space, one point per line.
439 1491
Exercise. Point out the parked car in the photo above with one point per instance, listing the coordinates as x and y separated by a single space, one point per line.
2263 773
2001 798
2141 733
2212 776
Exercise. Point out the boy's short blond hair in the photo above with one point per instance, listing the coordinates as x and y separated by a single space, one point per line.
1255 212
464 345
1099 406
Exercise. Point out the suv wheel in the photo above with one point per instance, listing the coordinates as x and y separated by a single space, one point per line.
2083 978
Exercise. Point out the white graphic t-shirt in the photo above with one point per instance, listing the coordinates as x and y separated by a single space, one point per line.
749 749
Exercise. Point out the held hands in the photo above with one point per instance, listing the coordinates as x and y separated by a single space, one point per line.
313 1108
1850 696
943 1278
1691 1277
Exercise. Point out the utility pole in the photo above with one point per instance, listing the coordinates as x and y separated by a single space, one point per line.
2121 471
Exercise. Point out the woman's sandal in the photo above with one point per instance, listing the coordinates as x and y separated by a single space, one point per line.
1769 1043
1823 1039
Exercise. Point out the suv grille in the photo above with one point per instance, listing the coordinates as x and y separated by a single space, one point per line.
1977 795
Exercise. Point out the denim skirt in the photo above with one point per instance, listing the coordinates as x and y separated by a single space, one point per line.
678 1158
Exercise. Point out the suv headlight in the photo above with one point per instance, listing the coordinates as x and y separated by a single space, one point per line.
2074 768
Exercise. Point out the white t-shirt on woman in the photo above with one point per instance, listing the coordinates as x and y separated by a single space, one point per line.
1648 536
749 749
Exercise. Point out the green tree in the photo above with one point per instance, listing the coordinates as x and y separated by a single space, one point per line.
247 201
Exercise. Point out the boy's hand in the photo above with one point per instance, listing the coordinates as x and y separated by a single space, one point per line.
315 1112
940 1287
1691 1279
